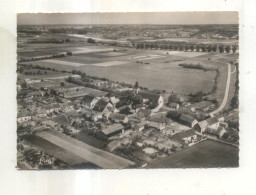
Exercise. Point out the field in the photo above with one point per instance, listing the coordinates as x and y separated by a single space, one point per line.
88 153
154 73
56 151
205 154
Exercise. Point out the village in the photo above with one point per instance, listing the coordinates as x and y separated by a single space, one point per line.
125 125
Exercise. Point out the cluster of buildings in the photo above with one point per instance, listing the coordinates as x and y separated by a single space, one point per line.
57 105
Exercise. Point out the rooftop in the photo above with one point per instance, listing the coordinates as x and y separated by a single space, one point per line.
112 129
100 105
186 118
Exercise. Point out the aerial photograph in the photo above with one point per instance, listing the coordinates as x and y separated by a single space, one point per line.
141 90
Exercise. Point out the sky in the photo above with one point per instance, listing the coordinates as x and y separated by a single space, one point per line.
129 18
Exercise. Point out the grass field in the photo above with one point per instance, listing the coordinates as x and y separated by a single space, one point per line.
207 154
93 155
56 151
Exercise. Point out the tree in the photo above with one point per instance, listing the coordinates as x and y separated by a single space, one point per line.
234 48
192 47
214 48
234 102
173 99
197 48
136 85
53 92
90 40
173 114
209 48
69 53
221 48
227 49
181 47
125 111
203 47
24 85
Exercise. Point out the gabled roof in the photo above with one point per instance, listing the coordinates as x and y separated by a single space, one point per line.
160 119
117 116
185 134
215 131
212 121
112 129
186 118
62 120
100 105
23 114
88 98
51 106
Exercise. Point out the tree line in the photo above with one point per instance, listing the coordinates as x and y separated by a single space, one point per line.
186 47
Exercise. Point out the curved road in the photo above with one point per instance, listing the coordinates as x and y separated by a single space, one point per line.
226 92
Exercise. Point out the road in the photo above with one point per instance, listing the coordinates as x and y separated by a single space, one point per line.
226 92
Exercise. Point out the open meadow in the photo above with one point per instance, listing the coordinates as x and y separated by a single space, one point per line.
205 154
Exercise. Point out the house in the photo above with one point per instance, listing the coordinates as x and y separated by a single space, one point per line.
118 118
61 120
29 81
68 107
101 108
160 119
23 117
174 106
146 96
185 136
49 123
41 113
217 133
89 100
100 82
137 107
188 121
114 100
139 127
158 126
18 87
210 122
113 130
52 108
113 145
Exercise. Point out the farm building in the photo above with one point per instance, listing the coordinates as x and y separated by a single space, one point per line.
188 121
52 108
113 130
89 100
174 106
23 117
218 133
210 122
102 106
118 118
139 127
151 97
185 136
41 113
